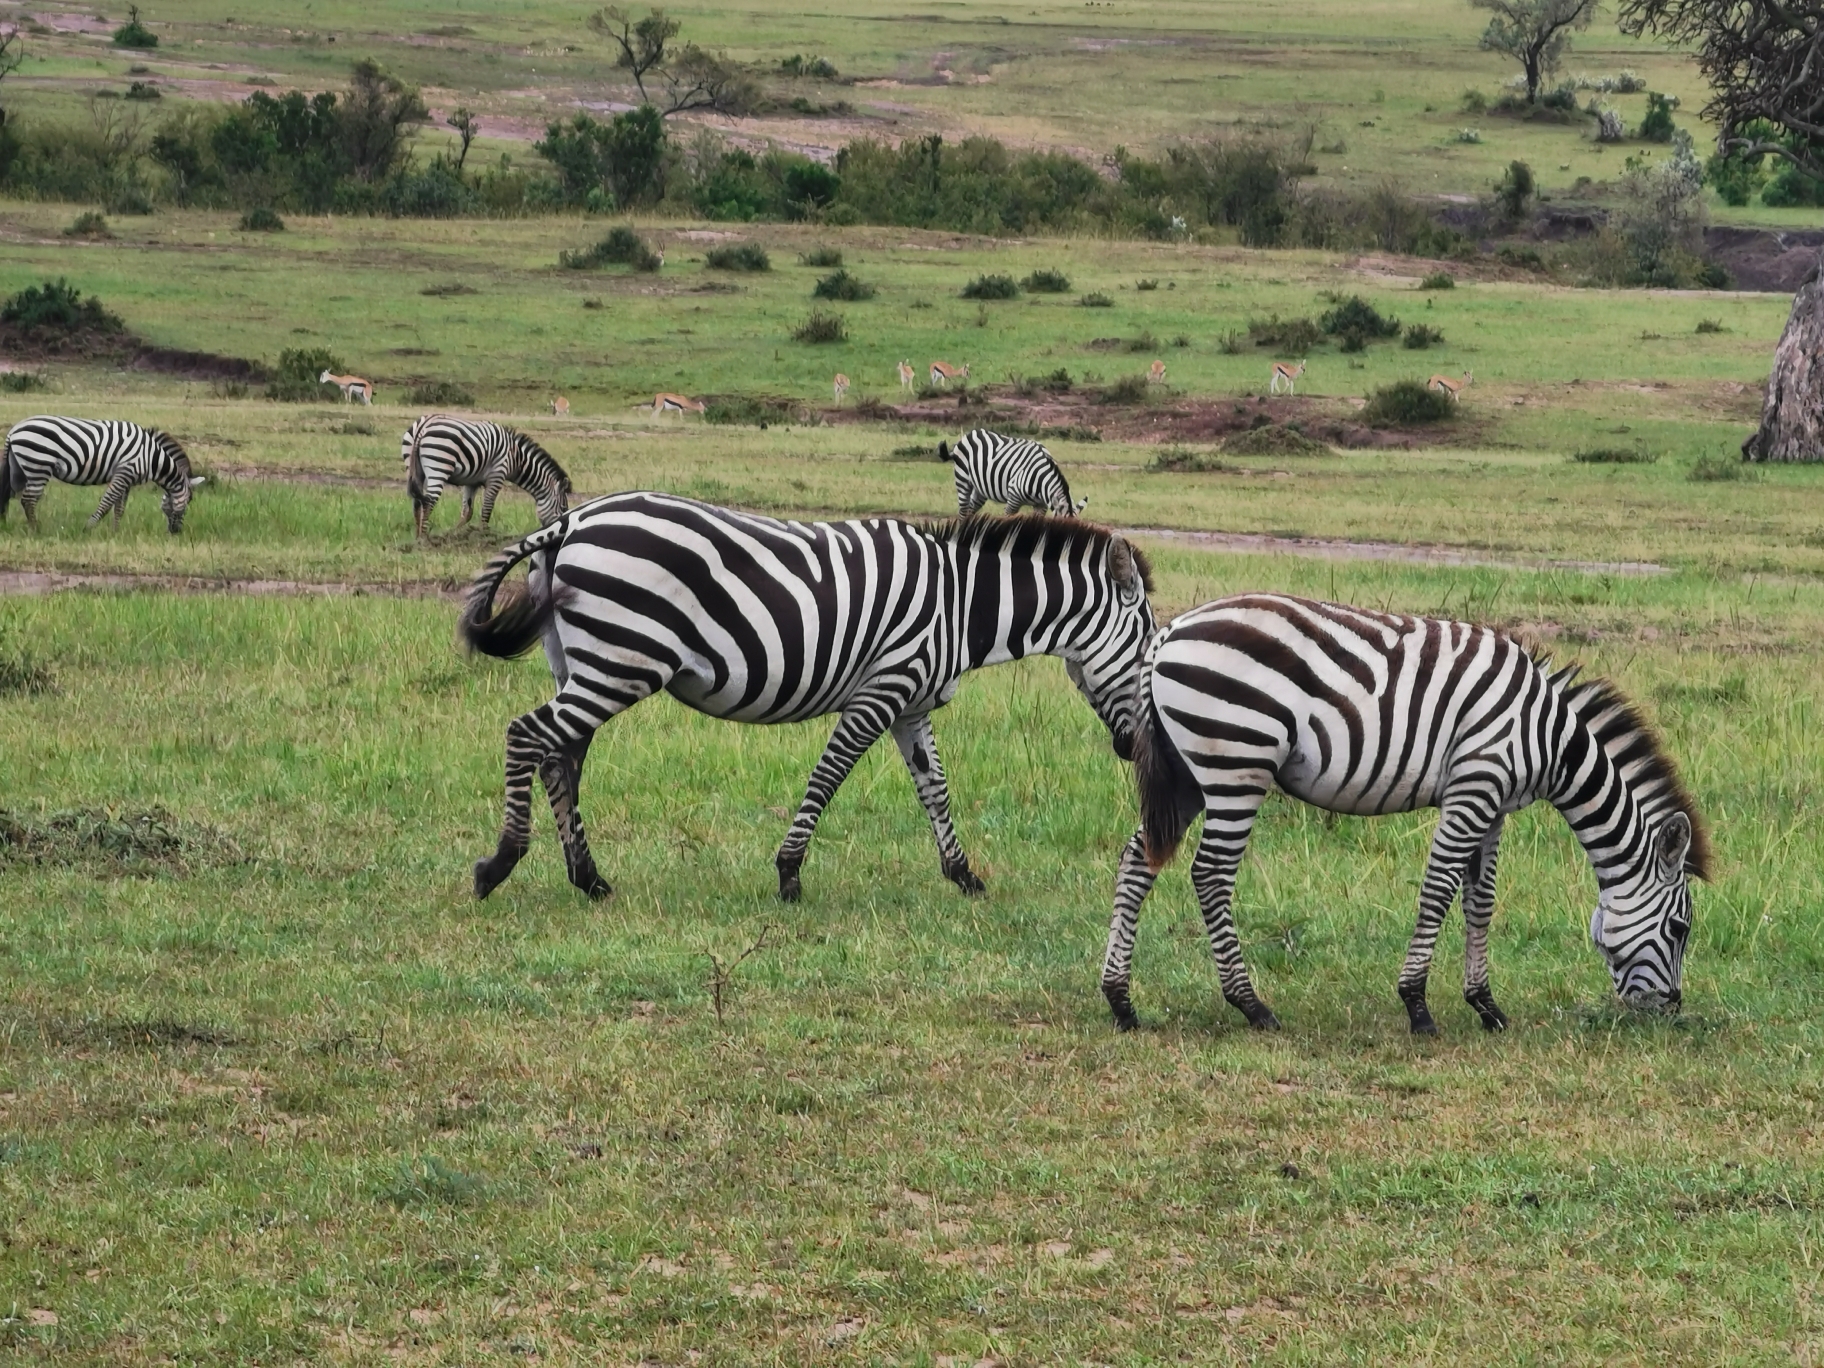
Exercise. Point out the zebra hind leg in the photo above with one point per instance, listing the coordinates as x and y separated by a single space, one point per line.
562 772
1133 881
1219 854
1478 909
860 726
918 745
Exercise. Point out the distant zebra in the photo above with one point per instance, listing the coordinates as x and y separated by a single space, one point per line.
79 451
991 468
758 620
439 450
1366 712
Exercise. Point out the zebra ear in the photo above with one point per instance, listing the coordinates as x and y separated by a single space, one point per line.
1082 503
1671 846
197 481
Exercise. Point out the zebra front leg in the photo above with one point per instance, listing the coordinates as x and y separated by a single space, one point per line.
1478 909
468 507
562 772
1225 841
860 726
1461 828
1133 881
113 500
918 745
489 493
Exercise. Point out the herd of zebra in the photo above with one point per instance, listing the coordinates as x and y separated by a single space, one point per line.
875 620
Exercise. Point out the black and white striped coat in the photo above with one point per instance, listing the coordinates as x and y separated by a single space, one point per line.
1366 712
758 620
1012 471
82 451
439 450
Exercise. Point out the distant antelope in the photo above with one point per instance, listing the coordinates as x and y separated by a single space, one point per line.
1155 373
1443 384
1285 370
841 386
676 403
560 407
353 387
942 373
907 376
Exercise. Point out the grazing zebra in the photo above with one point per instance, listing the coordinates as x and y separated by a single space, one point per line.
758 620
1367 712
1155 373
907 376
1283 370
942 373
560 407
841 386
353 387
676 403
439 450
991 468
1443 384
81 452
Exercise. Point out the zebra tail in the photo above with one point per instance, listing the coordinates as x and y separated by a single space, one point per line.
1167 792
515 625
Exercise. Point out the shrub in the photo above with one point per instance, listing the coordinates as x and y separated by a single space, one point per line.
1176 460
819 68
1273 440
1146 285
821 327
134 34
1469 135
745 256
1290 337
89 225
1419 336
1710 325
56 309
1475 102
1657 125
1615 456
621 247
1231 343
1145 342
1356 315
748 410
1526 258
1439 280
22 382
1708 468
294 379
1047 281
1713 275
1129 389
261 220
440 394
992 287
843 286
1407 402
821 256
1096 300
1515 189
455 287
144 90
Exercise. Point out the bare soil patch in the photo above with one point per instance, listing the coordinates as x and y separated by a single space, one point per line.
126 350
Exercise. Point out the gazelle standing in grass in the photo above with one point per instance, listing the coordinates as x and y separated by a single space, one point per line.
560 407
841 386
1285 370
353 387
942 373
676 403
908 378
1155 373
1443 384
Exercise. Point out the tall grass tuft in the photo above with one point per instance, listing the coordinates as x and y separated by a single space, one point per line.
743 256
843 286
992 287
821 327
1047 281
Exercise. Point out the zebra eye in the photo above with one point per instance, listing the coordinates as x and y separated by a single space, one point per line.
1678 931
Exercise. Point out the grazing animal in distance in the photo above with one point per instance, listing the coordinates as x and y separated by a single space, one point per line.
83 451
942 373
759 620
1285 370
353 387
1443 384
560 407
676 403
1364 712
1013 471
908 378
841 386
1155 373
440 450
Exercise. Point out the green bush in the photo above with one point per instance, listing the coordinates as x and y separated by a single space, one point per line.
1708 468
821 327
992 287
1129 389
261 220
1290 337
1145 285
89 225
1615 456
1657 125
1178 460
824 257
134 34
22 382
1439 280
744 256
1356 315
748 410
144 90
1273 440
440 394
622 247
1406 403
1515 189
1419 336
843 286
56 309
294 380
1096 300
1047 281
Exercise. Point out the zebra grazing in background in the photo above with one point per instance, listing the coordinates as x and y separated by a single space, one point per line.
439 450
1365 712
758 620
991 468
79 451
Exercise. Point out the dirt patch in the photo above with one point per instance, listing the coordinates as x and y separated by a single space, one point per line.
1320 548
55 581
1759 259
92 344
1174 418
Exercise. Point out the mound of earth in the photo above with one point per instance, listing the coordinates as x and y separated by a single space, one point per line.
1273 440
122 348
1759 259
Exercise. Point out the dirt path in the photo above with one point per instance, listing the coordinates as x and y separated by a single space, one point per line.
1318 548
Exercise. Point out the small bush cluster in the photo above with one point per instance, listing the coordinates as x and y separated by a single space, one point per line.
1615 456
1145 285
1439 280
992 287
818 68
294 380
1406 403
261 220
1129 389
1710 325
1096 300
1287 337
22 382
622 247
843 286
1709 468
55 310
1046 281
1419 336
440 394
1273 440
144 90
90 225
1355 323
134 34
745 256
821 257
1178 460
821 327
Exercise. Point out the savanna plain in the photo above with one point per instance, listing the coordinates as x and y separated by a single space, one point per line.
274 1088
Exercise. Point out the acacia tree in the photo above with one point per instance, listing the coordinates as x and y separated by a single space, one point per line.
692 79
466 126
1534 33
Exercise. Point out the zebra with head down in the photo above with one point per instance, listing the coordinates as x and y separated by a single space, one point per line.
1012 471
82 451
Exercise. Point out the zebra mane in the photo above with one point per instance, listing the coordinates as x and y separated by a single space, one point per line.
990 532
1634 747
168 444
528 446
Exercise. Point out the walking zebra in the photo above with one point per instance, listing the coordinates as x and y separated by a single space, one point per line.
439 450
1366 712
991 468
79 451
758 620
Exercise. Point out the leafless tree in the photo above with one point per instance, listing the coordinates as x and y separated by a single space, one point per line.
1534 33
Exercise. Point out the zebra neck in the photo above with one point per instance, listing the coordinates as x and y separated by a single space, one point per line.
1597 802
1016 600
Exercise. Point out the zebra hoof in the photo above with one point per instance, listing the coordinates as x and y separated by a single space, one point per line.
594 886
1262 1018
487 877
790 889
1493 1018
1122 1006
966 879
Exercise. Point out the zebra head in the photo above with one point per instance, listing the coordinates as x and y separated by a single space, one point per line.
179 484
1643 920
1104 662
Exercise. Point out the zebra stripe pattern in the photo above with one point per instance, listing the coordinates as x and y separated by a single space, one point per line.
991 468
81 451
439 450
1365 712
757 620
